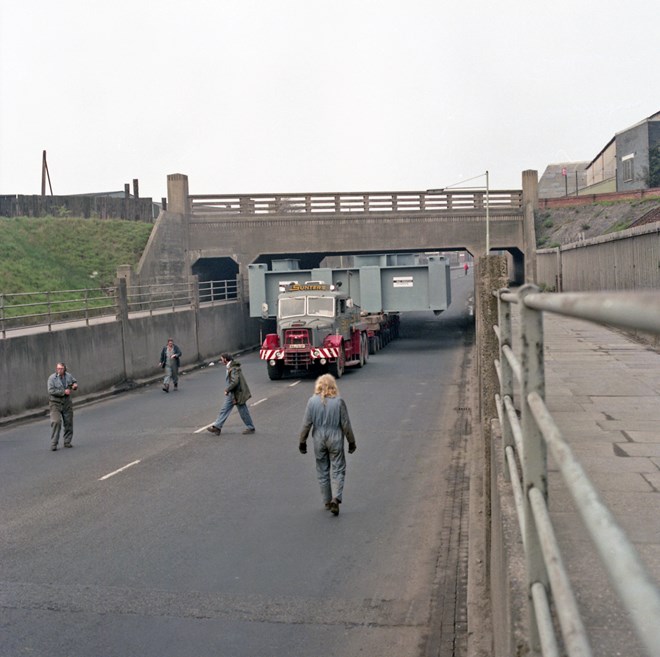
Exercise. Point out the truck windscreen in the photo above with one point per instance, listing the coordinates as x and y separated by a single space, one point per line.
321 306
292 307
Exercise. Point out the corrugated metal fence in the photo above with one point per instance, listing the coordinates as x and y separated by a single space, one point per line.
629 260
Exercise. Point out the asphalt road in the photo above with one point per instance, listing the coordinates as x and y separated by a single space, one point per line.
200 545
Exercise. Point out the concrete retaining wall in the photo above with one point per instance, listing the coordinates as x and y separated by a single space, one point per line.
629 260
114 354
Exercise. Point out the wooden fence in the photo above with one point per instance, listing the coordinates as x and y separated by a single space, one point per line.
87 206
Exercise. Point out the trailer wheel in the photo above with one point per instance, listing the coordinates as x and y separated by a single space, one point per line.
275 371
337 368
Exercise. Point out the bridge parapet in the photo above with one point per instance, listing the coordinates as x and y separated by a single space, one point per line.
362 202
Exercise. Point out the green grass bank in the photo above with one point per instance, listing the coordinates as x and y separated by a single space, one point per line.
67 253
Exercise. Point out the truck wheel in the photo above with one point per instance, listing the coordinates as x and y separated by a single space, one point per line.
362 359
365 348
275 371
372 345
337 368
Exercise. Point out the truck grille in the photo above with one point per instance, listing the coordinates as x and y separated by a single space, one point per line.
296 348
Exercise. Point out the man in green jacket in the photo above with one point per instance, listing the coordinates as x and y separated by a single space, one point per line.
237 394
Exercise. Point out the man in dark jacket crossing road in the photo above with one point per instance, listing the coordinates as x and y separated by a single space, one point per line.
237 394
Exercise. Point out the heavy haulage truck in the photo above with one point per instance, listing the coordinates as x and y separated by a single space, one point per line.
328 319
320 328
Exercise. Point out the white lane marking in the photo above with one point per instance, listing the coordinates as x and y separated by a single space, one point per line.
259 402
203 428
111 474
295 383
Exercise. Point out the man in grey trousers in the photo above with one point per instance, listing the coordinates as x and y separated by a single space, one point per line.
60 386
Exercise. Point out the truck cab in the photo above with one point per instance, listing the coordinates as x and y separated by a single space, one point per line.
316 324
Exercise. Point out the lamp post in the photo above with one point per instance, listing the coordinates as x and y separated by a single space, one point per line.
487 216
456 186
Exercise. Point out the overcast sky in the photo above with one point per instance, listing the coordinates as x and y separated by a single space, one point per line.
262 96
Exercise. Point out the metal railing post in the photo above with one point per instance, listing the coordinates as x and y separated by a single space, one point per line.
506 372
194 293
534 456
50 323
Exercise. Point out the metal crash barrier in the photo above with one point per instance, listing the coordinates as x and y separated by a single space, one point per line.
528 432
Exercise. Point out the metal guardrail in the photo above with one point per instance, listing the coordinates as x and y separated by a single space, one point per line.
212 291
332 203
155 297
527 435
36 309
22 309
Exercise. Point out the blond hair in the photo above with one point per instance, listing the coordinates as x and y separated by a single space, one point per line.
326 386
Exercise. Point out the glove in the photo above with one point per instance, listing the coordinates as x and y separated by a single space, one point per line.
351 447
302 448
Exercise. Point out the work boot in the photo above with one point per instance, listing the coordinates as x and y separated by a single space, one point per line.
213 429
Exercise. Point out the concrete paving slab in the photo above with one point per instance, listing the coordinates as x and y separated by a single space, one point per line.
627 405
630 426
564 403
654 477
594 464
640 449
596 434
644 436
605 386
612 481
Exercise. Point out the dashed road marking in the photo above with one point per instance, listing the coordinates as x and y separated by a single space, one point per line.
111 474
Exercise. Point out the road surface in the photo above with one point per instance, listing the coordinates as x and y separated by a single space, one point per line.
154 538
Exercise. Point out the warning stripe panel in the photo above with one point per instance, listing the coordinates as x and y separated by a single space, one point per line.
278 354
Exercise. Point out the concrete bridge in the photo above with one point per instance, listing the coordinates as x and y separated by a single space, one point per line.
217 236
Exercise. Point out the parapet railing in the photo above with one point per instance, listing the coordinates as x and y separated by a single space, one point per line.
527 435
429 201
46 309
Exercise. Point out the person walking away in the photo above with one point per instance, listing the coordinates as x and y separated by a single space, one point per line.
169 359
466 267
60 385
326 416
237 394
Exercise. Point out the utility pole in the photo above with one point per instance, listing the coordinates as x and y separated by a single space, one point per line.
45 174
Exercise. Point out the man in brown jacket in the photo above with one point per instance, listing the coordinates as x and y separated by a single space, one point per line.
237 394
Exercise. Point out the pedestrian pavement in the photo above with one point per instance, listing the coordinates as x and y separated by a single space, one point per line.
603 390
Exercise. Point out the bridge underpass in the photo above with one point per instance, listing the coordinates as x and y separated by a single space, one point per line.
205 234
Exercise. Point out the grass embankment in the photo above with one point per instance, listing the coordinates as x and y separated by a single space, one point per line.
49 253
54 269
